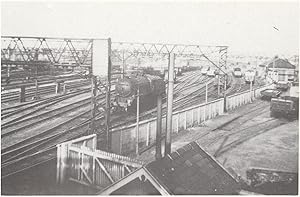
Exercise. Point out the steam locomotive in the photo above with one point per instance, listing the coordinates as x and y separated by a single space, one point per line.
148 86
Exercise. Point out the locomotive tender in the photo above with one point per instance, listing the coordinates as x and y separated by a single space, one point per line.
149 86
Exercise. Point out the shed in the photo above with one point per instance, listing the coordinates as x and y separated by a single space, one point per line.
189 170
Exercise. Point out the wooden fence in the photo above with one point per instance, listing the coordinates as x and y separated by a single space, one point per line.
124 139
239 99
79 161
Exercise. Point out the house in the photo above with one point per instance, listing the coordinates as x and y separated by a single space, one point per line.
190 170
280 70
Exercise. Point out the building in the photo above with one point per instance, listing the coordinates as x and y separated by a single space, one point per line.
280 70
190 170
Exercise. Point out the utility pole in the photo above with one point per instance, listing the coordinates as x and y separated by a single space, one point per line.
225 87
93 100
36 84
137 122
158 127
108 86
206 93
251 89
123 63
170 103
218 85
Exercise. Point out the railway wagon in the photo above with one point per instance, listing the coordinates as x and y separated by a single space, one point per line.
287 105
149 86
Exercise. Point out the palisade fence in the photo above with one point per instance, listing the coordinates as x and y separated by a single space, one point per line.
124 139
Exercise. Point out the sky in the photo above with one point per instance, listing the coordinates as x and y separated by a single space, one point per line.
251 28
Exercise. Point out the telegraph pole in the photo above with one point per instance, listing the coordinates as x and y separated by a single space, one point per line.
206 93
123 64
137 122
94 104
218 85
36 84
170 104
158 127
225 87
108 86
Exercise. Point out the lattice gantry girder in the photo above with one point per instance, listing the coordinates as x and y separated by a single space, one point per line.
126 50
55 51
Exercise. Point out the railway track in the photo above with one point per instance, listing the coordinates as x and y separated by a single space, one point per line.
41 146
19 111
44 79
15 153
44 90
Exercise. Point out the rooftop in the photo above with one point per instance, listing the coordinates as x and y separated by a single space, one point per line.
191 170
280 63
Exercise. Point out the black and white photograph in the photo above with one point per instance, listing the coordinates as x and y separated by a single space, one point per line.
152 97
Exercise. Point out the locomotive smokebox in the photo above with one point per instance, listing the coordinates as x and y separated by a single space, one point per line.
124 87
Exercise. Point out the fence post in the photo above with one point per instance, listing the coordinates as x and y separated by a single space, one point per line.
94 169
58 163
62 159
